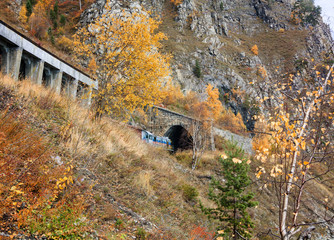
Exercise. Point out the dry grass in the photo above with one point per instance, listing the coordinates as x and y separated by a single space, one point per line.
28 89
112 159
114 154
143 181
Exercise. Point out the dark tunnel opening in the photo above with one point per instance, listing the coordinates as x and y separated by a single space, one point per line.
181 139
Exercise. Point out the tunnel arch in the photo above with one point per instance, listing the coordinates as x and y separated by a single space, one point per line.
180 137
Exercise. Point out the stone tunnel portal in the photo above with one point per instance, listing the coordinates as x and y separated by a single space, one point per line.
180 137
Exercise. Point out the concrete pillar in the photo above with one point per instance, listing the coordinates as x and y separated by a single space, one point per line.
73 88
15 62
89 100
38 72
56 81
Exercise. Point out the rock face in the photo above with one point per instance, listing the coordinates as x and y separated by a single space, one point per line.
219 34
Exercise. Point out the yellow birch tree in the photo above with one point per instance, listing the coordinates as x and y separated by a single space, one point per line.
301 152
129 67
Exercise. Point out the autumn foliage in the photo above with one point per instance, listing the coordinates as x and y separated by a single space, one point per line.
130 67
296 147
201 233
255 50
210 108
31 180
39 21
176 2
26 177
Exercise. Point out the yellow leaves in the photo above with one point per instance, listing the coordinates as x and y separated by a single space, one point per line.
236 160
176 2
16 191
63 182
261 71
255 50
23 15
214 104
260 171
302 145
124 48
65 43
276 170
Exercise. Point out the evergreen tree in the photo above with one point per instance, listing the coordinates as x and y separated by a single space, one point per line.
197 70
62 20
230 197
55 9
29 6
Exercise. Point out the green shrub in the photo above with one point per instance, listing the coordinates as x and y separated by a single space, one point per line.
29 6
231 196
62 20
221 6
119 224
197 70
65 222
307 12
189 193
185 158
140 234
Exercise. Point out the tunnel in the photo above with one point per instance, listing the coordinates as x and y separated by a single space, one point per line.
180 137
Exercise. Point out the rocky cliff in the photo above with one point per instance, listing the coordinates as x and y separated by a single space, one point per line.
219 34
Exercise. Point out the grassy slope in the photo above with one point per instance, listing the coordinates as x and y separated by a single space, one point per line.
127 175
111 159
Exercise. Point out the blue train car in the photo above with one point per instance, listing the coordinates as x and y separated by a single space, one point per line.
158 141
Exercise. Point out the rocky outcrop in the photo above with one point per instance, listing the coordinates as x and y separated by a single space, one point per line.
219 34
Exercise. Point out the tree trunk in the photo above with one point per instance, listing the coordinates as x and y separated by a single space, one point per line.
235 236
285 235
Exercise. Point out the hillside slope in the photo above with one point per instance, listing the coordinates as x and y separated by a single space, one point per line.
129 188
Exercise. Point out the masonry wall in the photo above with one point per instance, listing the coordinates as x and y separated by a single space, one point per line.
243 142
